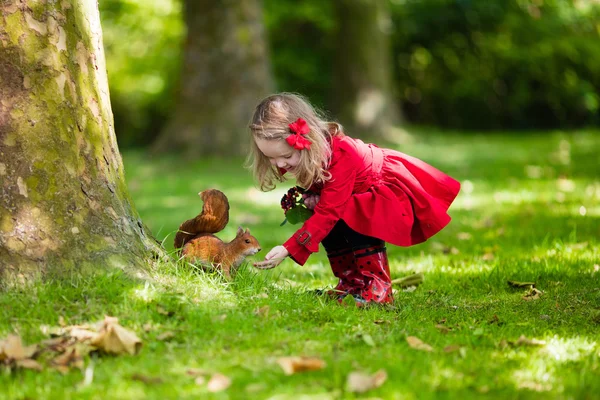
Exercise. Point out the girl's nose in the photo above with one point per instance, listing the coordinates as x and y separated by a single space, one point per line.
281 163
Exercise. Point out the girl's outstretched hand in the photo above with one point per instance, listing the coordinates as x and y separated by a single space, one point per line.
273 258
310 200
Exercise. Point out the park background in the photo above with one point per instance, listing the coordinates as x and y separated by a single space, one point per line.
502 95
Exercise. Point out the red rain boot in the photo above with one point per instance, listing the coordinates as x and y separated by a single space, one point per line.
343 265
373 266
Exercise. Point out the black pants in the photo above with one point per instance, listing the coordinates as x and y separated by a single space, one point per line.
343 237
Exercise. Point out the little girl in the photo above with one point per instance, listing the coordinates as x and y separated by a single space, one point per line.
363 196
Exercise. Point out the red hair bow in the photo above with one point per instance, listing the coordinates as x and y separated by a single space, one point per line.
296 139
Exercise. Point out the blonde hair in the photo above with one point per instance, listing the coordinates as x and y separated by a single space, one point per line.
270 121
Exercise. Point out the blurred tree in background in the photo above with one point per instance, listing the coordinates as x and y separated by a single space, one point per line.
509 64
363 83
225 74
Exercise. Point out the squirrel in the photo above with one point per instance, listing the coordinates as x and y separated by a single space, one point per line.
195 237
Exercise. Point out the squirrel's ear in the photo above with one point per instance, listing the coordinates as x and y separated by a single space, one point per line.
240 231
247 232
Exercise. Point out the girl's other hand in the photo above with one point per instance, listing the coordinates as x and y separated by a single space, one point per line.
273 258
310 200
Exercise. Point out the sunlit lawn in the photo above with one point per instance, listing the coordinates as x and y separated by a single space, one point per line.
529 211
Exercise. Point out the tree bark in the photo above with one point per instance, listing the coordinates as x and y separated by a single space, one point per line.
225 74
64 206
363 82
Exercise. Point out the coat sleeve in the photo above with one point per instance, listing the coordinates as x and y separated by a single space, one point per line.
334 196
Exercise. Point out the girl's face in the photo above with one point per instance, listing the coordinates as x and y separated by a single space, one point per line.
279 153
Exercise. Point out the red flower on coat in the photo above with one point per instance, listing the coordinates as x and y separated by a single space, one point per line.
296 139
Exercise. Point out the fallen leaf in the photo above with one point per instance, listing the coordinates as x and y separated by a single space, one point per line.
196 372
418 344
29 364
518 284
12 348
218 382
163 311
70 358
358 382
464 236
293 365
443 329
58 344
82 334
451 348
262 311
532 294
168 335
407 281
523 341
113 338
488 257
148 380
381 321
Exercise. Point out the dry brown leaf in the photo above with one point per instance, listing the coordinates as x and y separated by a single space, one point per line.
488 257
519 284
464 236
292 365
196 372
164 311
451 348
148 380
523 341
82 335
381 321
58 344
29 364
218 382
443 328
115 339
62 369
168 335
12 348
418 344
262 311
358 382
70 358
532 294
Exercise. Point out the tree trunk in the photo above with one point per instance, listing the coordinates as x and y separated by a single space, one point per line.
225 74
64 206
363 83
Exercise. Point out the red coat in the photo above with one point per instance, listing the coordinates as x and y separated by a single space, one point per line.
378 192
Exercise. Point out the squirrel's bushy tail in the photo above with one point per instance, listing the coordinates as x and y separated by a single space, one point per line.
212 219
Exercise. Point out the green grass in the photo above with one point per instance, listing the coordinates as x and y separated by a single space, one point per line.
529 211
